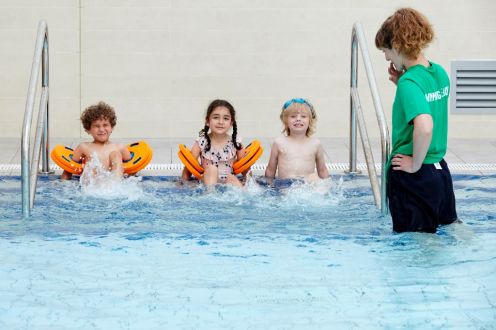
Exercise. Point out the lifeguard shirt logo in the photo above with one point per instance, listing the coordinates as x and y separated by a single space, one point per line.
437 95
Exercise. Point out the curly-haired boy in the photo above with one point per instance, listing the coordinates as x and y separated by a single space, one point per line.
99 120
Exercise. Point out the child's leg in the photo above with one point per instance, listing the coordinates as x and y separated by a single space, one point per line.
231 179
116 163
185 175
66 175
210 176
312 178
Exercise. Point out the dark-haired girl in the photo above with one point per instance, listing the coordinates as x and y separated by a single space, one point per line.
217 149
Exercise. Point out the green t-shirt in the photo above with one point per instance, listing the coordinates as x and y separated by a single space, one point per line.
421 90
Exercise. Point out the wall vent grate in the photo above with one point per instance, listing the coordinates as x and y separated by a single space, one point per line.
473 86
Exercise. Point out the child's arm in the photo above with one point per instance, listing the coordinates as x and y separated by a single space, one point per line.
195 151
270 171
78 153
125 153
320 163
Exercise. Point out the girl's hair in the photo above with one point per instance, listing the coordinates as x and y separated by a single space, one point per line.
101 110
407 31
297 105
212 106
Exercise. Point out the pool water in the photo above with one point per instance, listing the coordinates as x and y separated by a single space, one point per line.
154 254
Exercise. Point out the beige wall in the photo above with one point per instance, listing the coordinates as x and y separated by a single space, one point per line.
160 62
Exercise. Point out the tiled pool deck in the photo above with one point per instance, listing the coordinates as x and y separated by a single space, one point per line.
472 156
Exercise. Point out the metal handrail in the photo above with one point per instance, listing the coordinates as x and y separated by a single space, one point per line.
30 167
358 41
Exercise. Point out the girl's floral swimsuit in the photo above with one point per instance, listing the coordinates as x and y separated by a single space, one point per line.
222 159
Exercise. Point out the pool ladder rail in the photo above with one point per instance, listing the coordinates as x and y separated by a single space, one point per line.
30 165
357 119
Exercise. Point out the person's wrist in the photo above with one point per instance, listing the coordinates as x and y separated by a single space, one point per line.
416 167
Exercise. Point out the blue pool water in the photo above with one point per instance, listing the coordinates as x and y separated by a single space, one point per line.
158 255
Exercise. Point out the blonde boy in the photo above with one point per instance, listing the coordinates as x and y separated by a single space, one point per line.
297 154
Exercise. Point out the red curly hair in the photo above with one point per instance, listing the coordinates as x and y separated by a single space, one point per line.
407 31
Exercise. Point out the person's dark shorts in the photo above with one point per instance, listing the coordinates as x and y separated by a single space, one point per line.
423 200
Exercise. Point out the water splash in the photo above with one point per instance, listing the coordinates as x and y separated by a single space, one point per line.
320 193
284 194
96 181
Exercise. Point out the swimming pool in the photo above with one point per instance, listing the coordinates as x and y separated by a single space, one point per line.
160 255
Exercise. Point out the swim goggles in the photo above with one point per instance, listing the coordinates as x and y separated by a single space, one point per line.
299 100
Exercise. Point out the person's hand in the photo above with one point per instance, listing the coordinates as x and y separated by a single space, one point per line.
403 163
394 75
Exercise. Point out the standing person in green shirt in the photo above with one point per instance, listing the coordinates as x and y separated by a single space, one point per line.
419 184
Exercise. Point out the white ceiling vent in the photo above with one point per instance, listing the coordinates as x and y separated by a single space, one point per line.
473 86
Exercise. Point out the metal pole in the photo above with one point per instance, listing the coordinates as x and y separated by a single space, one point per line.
385 155
369 157
381 119
358 41
45 167
353 124
28 115
35 160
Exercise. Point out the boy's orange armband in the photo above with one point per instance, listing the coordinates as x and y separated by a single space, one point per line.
62 156
141 155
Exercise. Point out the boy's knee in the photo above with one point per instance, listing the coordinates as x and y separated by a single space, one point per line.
115 156
116 161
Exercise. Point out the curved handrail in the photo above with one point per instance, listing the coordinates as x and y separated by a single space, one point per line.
358 41
29 173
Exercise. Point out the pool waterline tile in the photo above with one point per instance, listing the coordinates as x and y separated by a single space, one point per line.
462 154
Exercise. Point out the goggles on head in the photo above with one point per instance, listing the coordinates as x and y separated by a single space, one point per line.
299 100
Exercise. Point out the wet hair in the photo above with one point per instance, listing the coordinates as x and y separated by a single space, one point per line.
101 110
298 107
407 31
211 107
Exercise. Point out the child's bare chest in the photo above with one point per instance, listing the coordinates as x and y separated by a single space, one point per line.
100 151
297 152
